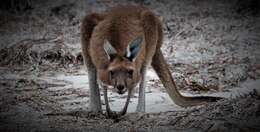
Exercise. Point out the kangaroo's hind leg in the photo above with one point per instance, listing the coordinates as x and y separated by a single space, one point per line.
88 24
141 96
151 28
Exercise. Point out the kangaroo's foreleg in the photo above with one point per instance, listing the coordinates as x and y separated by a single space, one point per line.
88 24
111 113
141 96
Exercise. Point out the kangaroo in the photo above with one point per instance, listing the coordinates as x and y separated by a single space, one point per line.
117 48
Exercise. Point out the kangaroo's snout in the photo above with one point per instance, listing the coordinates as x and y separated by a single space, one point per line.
121 89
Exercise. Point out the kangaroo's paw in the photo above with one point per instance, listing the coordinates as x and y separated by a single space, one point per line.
140 109
94 109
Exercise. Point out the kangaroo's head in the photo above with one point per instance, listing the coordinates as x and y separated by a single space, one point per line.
122 71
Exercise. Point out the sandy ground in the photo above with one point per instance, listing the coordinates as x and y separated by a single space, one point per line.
211 49
59 101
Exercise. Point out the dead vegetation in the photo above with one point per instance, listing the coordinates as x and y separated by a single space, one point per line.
38 52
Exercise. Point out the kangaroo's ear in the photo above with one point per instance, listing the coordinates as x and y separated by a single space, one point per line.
133 48
109 49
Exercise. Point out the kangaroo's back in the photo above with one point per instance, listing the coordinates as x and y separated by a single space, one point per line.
120 25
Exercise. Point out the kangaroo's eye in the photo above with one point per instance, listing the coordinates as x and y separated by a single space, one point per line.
130 73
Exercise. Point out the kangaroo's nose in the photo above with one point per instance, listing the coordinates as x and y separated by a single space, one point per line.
120 87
